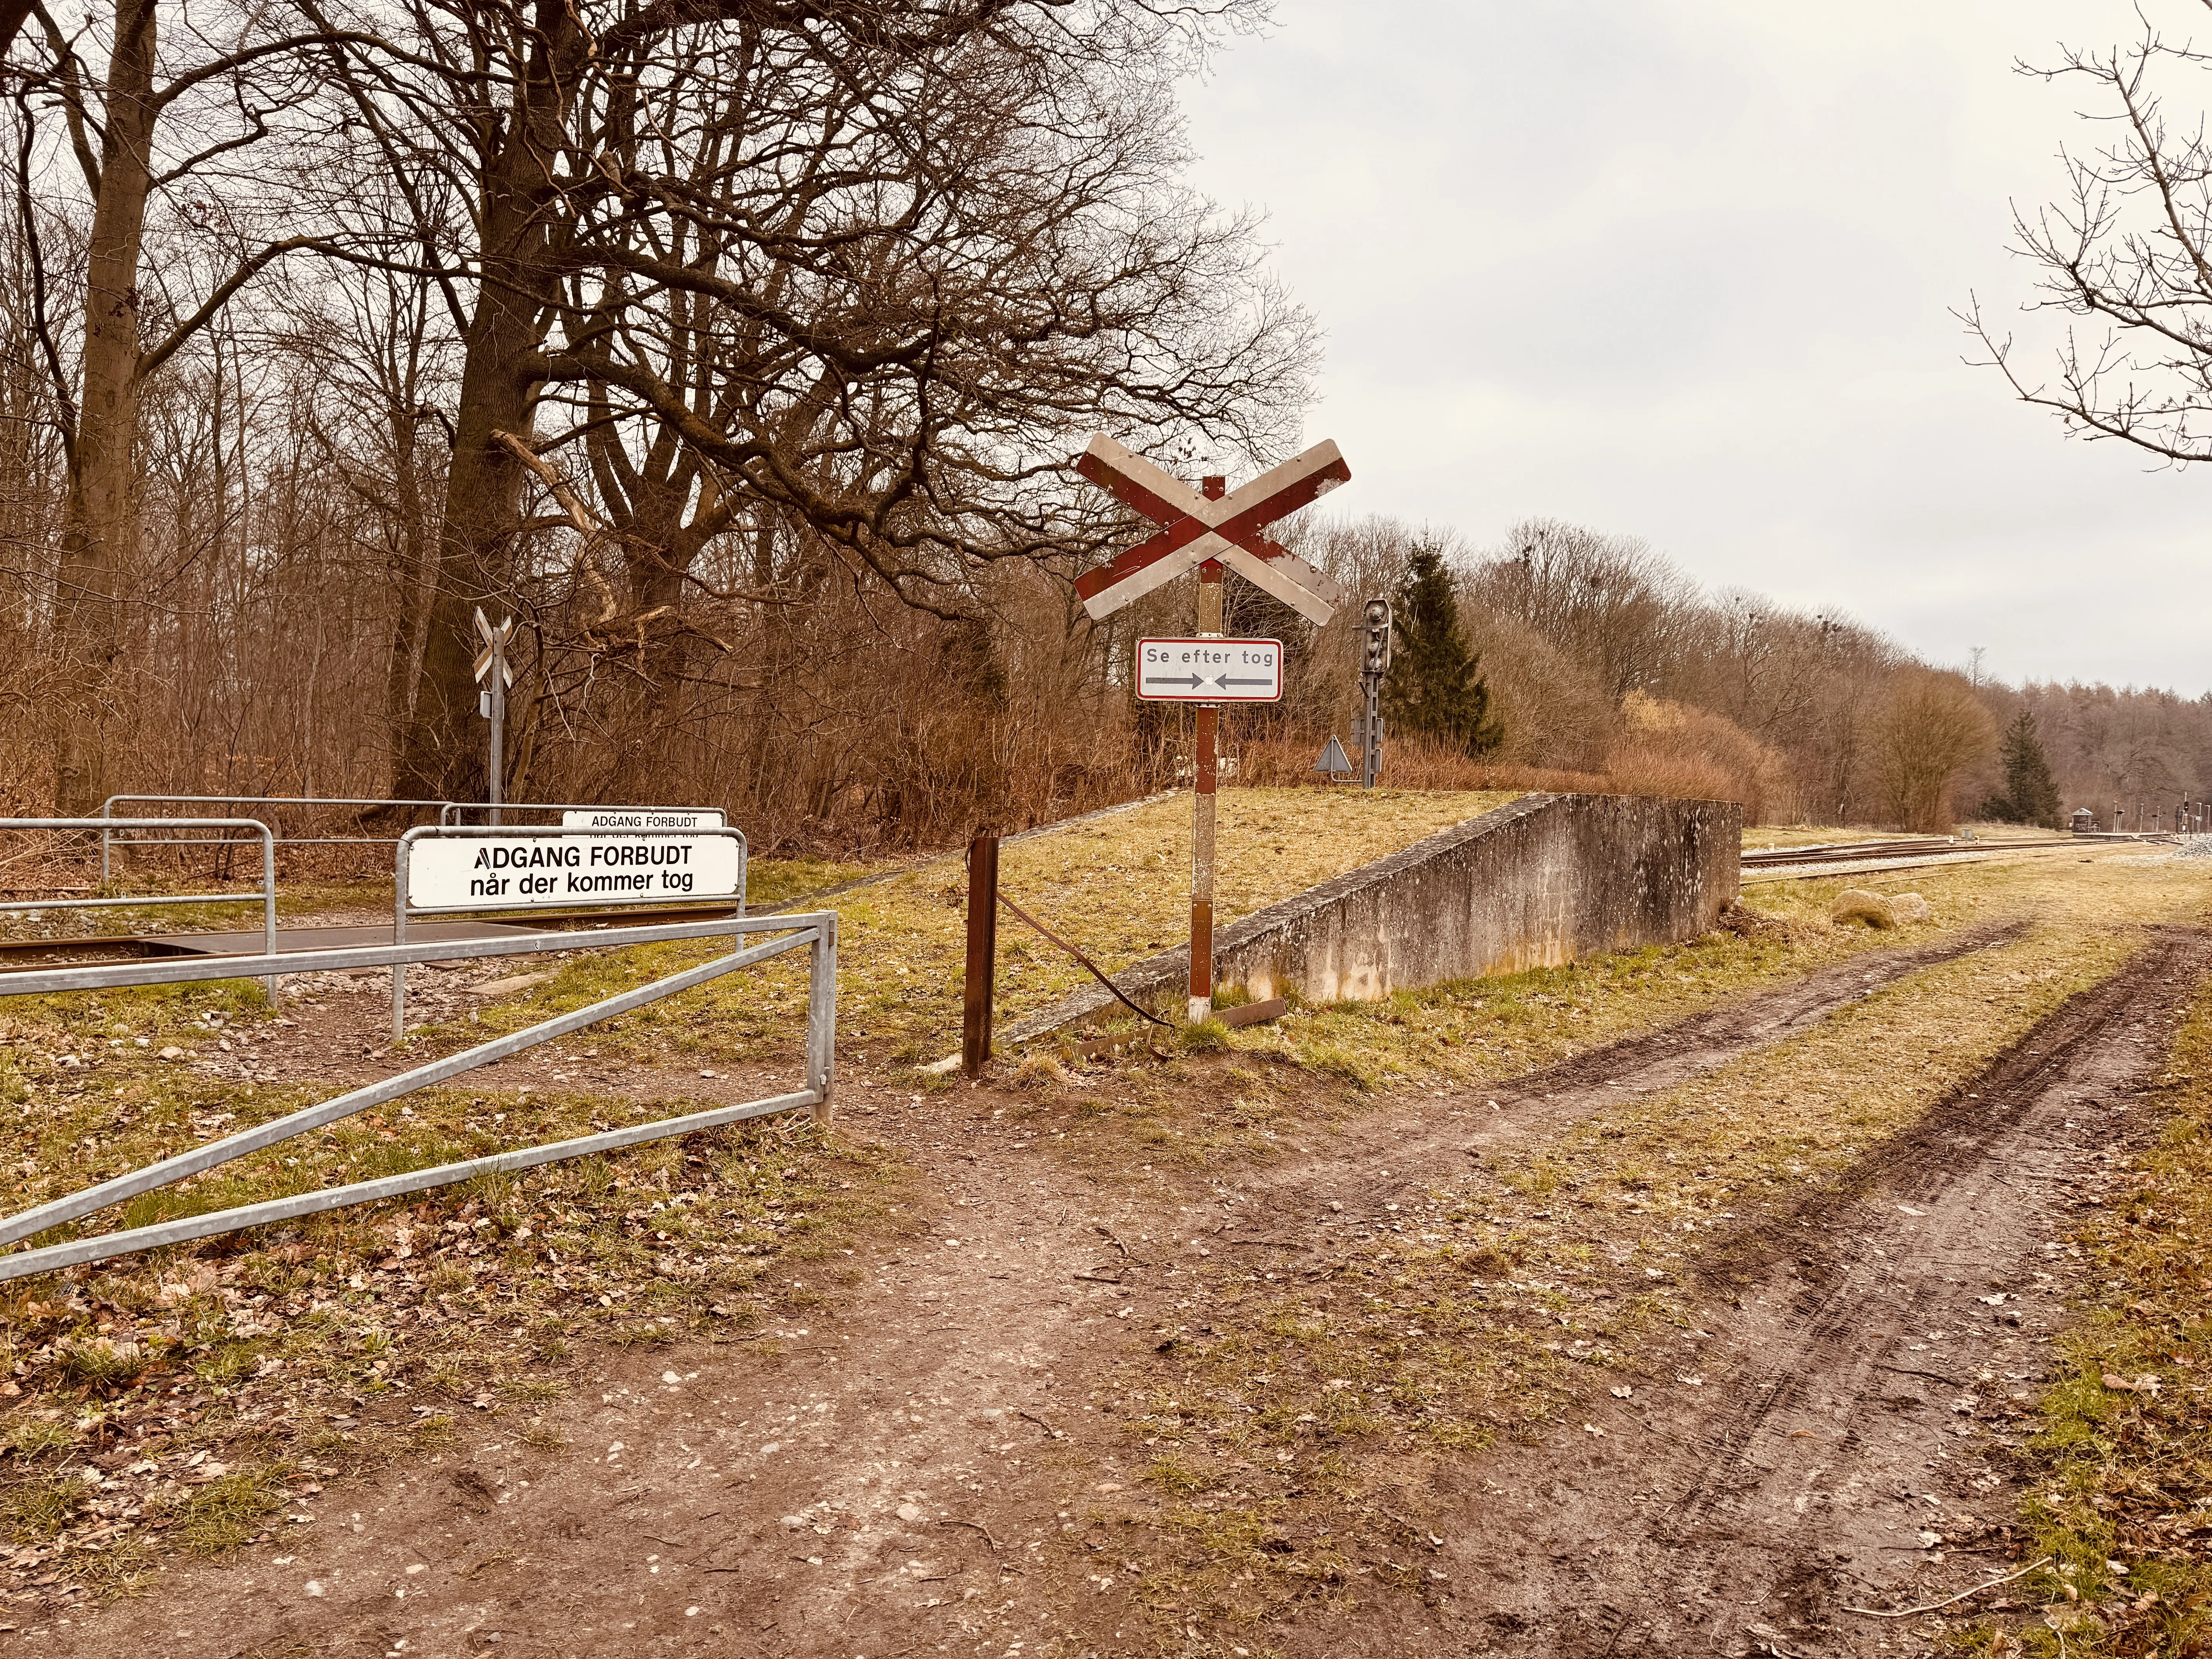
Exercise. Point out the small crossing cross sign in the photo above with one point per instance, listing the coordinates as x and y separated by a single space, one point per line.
494 648
1197 528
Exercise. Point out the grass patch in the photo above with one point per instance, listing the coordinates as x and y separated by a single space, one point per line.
1118 888
1305 1396
329 1345
217 1516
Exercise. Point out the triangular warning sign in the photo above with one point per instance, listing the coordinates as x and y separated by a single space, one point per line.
1332 758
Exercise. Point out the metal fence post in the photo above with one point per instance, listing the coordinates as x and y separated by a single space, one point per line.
976 984
821 1016
269 910
399 937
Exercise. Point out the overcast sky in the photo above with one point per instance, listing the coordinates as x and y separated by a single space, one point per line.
1683 268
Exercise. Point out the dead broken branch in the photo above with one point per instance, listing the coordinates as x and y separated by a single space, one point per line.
979 1527
1907 1613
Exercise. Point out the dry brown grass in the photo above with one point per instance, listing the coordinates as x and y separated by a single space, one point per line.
1289 1433
1117 888
2125 1473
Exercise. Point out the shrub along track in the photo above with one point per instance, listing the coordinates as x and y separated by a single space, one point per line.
914 1470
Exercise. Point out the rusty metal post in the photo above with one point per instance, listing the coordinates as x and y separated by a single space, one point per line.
1205 747
982 951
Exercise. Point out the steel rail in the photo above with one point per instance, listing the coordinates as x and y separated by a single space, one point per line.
108 809
309 1118
102 975
104 1245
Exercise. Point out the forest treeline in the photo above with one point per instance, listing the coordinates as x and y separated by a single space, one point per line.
741 351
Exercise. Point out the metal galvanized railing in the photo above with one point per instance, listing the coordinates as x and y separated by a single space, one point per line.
266 896
816 931
112 823
449 811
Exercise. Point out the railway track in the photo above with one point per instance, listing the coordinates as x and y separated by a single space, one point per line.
1843 857
1916 847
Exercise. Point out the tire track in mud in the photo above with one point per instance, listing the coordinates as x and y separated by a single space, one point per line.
1579 1087
841 1523
1802 1449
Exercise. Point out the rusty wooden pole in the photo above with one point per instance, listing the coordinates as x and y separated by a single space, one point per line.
1205 745
982 951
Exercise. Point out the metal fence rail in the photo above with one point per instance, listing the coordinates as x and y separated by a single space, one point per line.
449 811
267 895
816 931
108 807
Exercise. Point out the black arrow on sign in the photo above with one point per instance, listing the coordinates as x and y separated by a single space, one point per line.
1269 681
1194 681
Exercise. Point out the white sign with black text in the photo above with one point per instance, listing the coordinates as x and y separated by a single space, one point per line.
499 872
641 818
1210 670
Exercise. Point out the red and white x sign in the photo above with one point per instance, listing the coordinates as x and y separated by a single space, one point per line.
1197 529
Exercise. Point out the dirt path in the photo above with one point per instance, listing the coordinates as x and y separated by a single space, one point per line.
1825 1433
901 1475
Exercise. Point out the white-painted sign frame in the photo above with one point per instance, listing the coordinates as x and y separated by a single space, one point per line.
473 868
1209 669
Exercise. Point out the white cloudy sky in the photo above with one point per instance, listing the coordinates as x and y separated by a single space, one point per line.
1683 268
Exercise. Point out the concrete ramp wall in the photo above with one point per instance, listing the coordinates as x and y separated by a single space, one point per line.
1542 880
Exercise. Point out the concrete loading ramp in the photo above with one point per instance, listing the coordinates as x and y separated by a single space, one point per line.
1545 879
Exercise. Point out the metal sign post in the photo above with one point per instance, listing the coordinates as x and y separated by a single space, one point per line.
1206 749
1374 666
491 662
1208 530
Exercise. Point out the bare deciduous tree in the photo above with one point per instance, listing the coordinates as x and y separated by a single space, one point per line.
1933 730
2128 254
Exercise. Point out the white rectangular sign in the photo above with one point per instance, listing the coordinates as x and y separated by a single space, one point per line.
500 872
644 818
1210 670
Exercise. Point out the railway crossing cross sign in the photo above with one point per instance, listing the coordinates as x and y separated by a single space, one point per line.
493 651
491 666
1204 529
1196 528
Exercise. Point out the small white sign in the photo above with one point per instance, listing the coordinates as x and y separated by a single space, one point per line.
501 873
1210 670
641 818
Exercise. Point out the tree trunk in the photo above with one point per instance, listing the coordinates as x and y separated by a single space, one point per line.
410 561
442 754
99 517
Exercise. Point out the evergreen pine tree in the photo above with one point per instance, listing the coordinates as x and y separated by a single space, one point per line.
2031 793
1433 687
